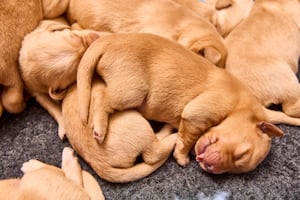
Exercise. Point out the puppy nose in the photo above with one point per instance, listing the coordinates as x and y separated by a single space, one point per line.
199 158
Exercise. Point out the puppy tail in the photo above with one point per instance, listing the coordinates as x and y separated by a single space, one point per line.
212 49
124 175
85 73
278 117
91 186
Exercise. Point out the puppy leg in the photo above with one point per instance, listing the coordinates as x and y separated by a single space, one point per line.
71 167
198 115
100 112
32 165
278 117
159 150
12 98
54 110
291 106
165 131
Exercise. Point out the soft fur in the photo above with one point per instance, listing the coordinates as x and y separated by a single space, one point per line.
201 8
175 22
17 18
42 181
263 53
230 13
49 58
129 137
170 84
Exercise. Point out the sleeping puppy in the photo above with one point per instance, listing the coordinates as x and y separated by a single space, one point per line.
230 13
169 83
266 57
49 58
176 22
42 181
17 18
129 136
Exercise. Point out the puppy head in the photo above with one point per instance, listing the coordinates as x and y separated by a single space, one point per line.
203 39
50 55
230 13
235 148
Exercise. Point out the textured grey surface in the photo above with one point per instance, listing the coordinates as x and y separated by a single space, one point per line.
33 134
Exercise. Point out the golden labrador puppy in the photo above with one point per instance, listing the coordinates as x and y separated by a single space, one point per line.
42 181
129 136
17 18
175 22
169 83
264 51
49 58
230 13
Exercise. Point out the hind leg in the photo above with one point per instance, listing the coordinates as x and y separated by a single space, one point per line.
291 104
160 148
165 131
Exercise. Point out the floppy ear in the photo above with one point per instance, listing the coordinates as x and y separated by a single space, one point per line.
270 129
223 4
57 27
57 94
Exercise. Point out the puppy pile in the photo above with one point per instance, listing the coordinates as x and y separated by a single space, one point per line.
208 70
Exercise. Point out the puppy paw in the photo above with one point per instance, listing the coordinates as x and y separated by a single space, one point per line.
182 160
68 156
31 165
98 135
61 132
182 157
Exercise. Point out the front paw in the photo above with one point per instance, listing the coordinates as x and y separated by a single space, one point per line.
179 154
61 132
182 159
31 165
99 134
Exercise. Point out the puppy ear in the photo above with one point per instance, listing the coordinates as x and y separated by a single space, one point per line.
57 94
57 27
223 4
270 129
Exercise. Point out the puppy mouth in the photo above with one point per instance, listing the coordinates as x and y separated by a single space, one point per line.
200 151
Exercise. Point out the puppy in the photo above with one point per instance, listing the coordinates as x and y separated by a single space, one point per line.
42 181
230 13
176 22
266 58
16 20
49 58
168 83
129 136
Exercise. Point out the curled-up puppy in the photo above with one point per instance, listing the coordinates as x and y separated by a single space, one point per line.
263 53
176 22
168 83
230 13
42 181
49 58
129 136
17 18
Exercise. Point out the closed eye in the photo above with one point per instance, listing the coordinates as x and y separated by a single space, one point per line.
223 4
